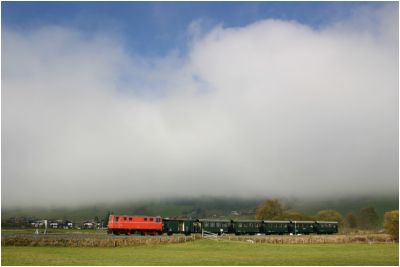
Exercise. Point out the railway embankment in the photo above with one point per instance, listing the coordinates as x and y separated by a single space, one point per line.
314 239
123 241
92 241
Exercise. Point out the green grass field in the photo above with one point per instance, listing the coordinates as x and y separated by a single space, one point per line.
207 252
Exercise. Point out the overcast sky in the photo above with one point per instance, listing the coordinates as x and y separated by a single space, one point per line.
269 105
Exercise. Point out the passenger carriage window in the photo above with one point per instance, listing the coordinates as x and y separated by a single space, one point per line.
218 224
240 225
206 224
212 224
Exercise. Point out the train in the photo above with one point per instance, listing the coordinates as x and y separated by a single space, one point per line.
156 225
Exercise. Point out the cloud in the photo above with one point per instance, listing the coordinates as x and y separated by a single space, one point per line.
272 108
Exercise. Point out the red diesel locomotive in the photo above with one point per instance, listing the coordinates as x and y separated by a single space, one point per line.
144 225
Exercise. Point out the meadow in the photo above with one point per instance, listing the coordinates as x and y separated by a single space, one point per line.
207 252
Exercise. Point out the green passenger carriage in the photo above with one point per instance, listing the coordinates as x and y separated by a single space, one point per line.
323 227
180 226
275 227
302 227
215 226
246 227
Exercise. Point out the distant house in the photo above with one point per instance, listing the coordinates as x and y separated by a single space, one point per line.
91 225
234 212
53 225
88 225
37 224
67 224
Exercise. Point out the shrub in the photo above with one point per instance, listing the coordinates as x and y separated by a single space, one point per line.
329 215
391 224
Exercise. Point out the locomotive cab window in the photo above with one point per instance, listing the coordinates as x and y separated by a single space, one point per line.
151 219
130 218
124 218
116 219
145 219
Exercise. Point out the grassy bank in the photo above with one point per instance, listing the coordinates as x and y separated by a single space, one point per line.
103 240
31 231
207 252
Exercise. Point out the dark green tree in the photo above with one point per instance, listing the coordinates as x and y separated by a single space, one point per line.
329 215
351 220
295 216
368 218
270 209
106 218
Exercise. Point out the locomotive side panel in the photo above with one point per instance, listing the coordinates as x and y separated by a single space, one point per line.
118 224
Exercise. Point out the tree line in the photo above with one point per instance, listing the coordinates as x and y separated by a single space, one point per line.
366 218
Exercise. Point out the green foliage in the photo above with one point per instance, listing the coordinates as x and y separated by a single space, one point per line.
295 216
351 220
270 209
207 252
368 218
391 224
345 205
329 215
106 217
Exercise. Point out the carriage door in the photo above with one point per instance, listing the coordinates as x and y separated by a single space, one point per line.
197 227
181 226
